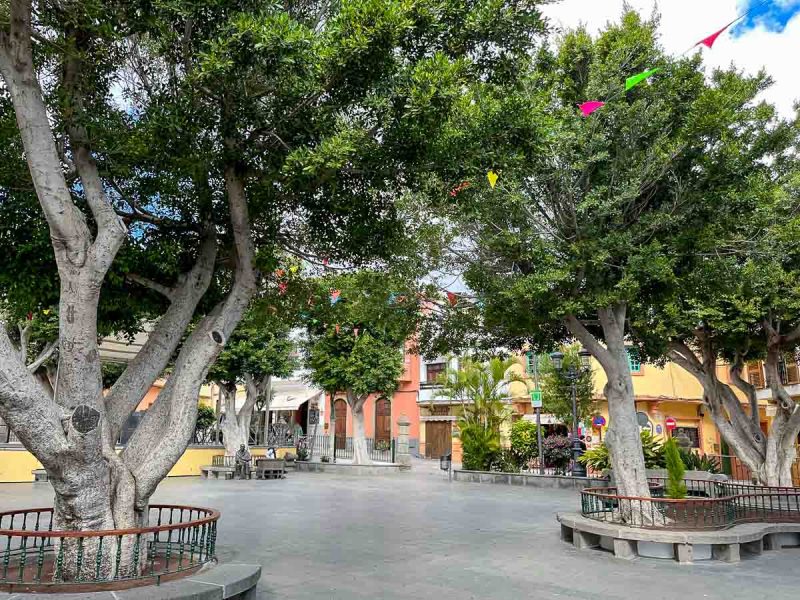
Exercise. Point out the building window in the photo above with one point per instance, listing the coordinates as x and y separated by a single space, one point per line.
634 363
789 370
690 433
433 370
755 375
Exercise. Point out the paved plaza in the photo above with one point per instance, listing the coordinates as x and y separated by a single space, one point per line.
415 535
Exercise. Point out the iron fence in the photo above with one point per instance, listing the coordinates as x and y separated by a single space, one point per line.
381 450
716 510
35 557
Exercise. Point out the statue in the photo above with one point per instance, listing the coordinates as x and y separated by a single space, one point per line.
243 462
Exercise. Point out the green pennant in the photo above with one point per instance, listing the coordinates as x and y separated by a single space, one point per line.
635 80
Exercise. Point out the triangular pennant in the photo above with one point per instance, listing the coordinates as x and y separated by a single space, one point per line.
492 177
279 273
335 296
635 80
293 269
452 298
337 330
709 41
355 331
588 108
282 288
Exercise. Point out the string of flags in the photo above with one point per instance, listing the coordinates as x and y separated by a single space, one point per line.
590 106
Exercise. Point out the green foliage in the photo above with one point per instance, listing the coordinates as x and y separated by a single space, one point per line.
111 372
676 487
557 452
599 459
506 461
480 389
205 417
557 389
693 461
524 441
480 446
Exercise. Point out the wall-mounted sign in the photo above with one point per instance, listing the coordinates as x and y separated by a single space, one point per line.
670 423
599 421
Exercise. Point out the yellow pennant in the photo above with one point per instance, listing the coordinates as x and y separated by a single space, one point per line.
293 269
47 311
492 177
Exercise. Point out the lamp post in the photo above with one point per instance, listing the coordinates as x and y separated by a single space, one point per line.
572 375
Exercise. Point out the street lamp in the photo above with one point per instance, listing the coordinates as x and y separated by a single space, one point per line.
572 375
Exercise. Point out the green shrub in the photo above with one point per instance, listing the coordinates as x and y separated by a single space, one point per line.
506 461
676 487
694 462
598 458
480 447
524 442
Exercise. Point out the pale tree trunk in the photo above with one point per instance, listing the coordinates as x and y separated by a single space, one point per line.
236 425
73 433
332 424
360 452
769 458
623 437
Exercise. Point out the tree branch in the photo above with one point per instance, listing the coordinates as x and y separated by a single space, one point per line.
164 290
589 342
45 354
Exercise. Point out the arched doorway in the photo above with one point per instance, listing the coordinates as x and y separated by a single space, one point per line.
383 420
340 414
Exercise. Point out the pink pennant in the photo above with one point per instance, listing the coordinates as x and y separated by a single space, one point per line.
588 108
325 261
282 288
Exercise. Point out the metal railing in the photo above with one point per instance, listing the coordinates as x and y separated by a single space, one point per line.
718 510
381 450
34 556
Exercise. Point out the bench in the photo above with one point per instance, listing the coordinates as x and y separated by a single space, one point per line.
270 468
39 475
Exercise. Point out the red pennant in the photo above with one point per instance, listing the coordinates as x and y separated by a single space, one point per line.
282 287
30 316
325 261
461 186
452 298
709 41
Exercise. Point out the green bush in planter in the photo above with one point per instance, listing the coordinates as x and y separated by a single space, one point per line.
557 452
676 487
524 443
599 460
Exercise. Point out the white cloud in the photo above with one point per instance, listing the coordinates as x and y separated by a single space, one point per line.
684 22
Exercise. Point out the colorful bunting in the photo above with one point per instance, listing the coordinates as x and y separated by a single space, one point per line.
588 108
452 298
709 41
279 273
492 177
335 296
30 316
282 287
635 80
325 261
293 269
355 331
46 311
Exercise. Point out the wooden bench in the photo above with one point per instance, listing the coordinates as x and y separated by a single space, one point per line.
270 468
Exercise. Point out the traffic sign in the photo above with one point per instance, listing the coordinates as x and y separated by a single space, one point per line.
536 398
670 423
599 421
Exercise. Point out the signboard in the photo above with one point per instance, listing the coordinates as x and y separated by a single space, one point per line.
536 398
670 423
599 421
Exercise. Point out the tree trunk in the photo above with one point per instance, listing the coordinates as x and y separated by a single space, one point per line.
360 451
623 437
332 430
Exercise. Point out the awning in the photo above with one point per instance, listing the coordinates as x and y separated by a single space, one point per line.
292 397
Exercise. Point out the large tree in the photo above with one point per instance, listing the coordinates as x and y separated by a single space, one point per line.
174 149
358 325
583 222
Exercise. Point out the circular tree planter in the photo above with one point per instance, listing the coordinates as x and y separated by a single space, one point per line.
35 557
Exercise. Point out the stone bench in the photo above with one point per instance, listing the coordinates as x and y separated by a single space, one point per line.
39 475
683 546
212 472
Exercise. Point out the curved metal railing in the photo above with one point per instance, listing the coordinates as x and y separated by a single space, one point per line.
34 556
718 510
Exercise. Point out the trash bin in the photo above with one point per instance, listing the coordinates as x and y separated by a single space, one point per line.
445 462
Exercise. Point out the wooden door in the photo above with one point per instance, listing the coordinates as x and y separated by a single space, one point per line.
383 420
437 439
340 414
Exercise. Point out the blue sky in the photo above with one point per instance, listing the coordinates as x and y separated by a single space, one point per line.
772 15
